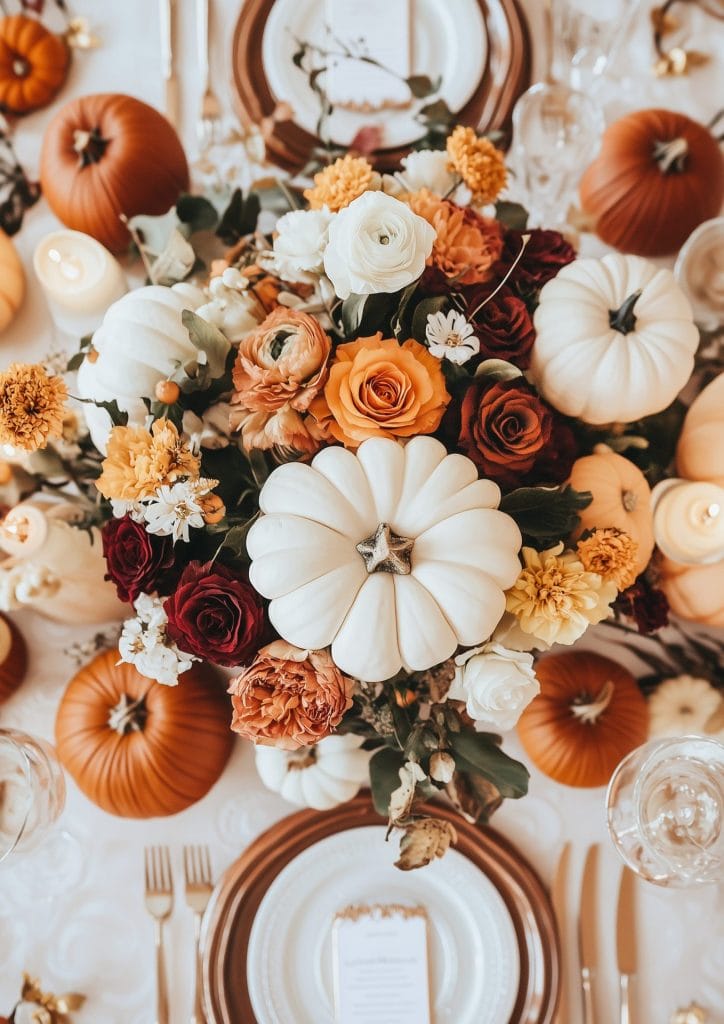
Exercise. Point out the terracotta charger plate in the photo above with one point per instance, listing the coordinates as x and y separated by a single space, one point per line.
238 895
505 76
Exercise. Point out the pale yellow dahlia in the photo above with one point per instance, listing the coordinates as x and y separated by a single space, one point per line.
478 162
139 462
32 406
612 554
337 185
555 598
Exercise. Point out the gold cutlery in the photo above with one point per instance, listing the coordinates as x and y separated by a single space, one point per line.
171 89
560 904
588 933
209 124
159 904
197 874
626 941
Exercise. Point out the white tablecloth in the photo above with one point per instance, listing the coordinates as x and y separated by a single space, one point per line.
96 937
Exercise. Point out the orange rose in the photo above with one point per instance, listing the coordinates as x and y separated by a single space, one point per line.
289 698
467 245
380 388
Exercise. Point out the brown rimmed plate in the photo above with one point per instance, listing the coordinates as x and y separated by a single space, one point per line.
505 77
237 897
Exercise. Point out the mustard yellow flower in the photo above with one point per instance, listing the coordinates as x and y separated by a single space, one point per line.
612 554
139 462
480 165
337 185
32 406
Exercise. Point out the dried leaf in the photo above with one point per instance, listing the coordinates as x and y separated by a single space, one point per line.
473 796
424 840
402 798
662 21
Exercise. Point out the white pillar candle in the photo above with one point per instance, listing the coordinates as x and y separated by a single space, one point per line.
80 279
689 521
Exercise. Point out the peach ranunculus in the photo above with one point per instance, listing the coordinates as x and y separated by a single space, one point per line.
286 428
280 368
380 388
288 697
467 246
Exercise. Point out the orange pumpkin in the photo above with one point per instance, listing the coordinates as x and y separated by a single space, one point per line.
12 281
139 749
589 715
110 155
621 499
657 176
33 64
700 451
13 658
694 592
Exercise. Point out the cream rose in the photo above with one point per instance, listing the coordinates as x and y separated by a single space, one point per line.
376 244
496 684
427 168
300 243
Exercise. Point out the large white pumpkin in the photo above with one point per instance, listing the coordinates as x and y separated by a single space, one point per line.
329 773
615 339
393 555
140 342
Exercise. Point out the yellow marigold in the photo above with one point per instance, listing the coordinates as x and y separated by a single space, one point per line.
344 180
478 162
555 598
31 406
612 554
139 462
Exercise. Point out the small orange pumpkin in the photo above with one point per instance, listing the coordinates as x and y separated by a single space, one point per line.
694 592
33 64
13 658
657 176
139 749
106 156
12 281
700 451
589 715
621 499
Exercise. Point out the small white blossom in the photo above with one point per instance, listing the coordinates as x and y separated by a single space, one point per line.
427 168
24 584
230 308
174 510
144 644
121 508
450 336
299 245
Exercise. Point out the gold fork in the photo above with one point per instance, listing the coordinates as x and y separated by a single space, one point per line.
208 128
159 904
197 872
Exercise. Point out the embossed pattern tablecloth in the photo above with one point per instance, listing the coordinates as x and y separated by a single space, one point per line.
96 937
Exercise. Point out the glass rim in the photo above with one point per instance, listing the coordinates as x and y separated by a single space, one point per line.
11 737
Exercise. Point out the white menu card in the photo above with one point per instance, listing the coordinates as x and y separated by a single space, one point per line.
374 28
381 968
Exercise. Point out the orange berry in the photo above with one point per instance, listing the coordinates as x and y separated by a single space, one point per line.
403 698
168 392
214 509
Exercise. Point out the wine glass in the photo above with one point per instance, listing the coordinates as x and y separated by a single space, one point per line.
32 791
586 34
665 806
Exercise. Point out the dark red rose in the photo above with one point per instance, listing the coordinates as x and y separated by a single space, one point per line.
215 614
136 560
512 435
503 326
544 255
645 604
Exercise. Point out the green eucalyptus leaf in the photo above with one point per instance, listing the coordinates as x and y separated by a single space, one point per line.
478 753
197 213
422 86
239 218
434 304
352 310
119 417
209 340
498 369
546 515
75 361
512 215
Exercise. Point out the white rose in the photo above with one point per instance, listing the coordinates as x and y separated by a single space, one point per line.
300 243
376 244
427 168
496 684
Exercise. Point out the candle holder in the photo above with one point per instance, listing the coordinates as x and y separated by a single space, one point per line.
688 519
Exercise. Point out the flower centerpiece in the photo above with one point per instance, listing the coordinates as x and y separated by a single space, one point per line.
337 463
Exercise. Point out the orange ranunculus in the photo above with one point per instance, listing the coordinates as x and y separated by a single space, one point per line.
467 246
285 428
380 388
288 697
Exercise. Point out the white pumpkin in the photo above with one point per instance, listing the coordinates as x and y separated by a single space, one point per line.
329 773
393 555
140 342
615 339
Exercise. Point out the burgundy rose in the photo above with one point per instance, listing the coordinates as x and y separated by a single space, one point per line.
503 326
215 614
544 255
512 435
136 560
645 604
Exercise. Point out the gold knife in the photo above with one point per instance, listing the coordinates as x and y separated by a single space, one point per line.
171 92
560 903
588 932
626 940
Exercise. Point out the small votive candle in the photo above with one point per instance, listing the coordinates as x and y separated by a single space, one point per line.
80 279
689 521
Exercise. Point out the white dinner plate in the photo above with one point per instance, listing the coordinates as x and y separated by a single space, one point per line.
474 958
448 40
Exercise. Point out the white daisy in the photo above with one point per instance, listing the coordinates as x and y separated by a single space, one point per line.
450 336
174 510
144 644
121 508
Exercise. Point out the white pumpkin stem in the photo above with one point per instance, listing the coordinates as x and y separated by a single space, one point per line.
304 759
589 711
128 715
671 156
